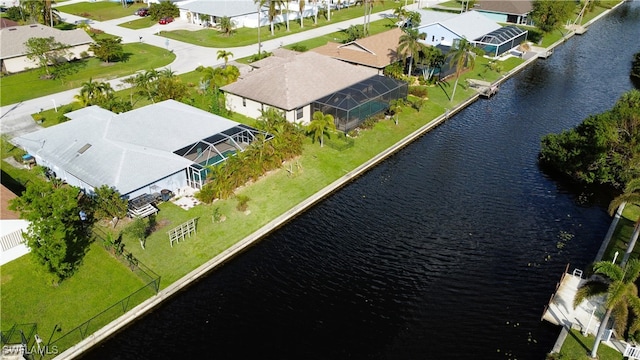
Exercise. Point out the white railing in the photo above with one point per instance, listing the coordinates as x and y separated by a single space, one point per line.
632 352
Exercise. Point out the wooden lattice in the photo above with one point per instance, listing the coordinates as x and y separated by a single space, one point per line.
182 231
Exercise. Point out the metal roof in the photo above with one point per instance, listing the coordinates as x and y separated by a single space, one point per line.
221 8
127 151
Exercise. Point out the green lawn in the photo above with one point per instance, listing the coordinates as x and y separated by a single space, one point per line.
100 10
142 23
578 347
622 234
248 36
100 282
28 85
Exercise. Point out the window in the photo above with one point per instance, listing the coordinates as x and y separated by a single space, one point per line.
244 102
433 38
299 113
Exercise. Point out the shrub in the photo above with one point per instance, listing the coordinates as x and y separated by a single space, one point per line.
419 91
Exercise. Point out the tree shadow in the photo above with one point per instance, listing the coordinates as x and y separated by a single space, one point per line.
125 57
580 342
442 85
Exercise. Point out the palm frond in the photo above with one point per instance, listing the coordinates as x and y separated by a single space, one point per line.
588 290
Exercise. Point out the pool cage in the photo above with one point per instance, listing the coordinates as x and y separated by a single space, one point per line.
502 40
216 149
354 104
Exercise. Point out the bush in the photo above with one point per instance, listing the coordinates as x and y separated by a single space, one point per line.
419 91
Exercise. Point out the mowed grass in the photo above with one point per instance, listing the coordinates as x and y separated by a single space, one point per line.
28 85
100 10
142 23
578 347
247 36
100 282
622 234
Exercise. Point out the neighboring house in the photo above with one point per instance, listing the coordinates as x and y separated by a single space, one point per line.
301 83
478 29
4 23
374 52
506 11
470 25
12 244
13 52
167 145
243 13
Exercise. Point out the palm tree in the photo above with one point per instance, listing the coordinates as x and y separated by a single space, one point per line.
226 25
461 54
319 125
224 54
368 9
91 93
273 6
301 5
409 46
617 284
631 194
400 13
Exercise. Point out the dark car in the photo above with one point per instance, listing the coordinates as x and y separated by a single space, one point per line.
165 20
142 12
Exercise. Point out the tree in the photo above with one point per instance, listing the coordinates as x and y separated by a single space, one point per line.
108 49
320 124
139 230
430 58
273 7
462 54
301 4
631 194
549 15
400 13
224 54
169 86
617 284
354 32
145 84
368 10
41 11
109 204
226 25
409 46
163 9
47 52
602 150
56 233
93 93
635 67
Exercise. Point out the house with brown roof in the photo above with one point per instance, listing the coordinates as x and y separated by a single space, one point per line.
373 52
506 11
298 84
13 52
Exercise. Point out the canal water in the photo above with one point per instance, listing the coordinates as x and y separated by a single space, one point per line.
448 250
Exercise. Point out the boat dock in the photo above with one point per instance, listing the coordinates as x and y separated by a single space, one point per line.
484 88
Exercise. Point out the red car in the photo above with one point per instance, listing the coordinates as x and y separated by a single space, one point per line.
165 20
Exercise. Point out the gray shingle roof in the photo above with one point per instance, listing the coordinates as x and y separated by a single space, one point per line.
128 150
297 82
515 7
12 39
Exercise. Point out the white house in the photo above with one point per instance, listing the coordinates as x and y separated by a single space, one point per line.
511 11
13 52
470 25
12 244
167 145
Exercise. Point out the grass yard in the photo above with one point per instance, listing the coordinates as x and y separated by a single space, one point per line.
100 10
28 85
248 36
141 23
622 234
100 282
578 347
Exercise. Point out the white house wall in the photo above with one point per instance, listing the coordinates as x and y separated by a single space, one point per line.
172 182
438 34
253 109
22 63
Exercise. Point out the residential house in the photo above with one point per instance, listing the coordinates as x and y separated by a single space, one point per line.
373 52
506 11
13 52
12 244
298 84
162 146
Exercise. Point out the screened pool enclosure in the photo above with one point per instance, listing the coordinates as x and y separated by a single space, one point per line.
354 104
215 150
502 40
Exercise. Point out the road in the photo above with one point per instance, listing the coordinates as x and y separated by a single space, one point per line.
15 119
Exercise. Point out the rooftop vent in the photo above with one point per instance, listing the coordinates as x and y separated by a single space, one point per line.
84 148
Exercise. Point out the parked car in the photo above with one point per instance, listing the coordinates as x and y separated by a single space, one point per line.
142 12
165 20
